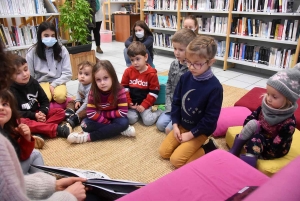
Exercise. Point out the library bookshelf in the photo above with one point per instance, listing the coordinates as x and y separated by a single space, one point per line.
231 9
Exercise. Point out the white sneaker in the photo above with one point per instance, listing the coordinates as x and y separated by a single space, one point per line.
80 137
130 132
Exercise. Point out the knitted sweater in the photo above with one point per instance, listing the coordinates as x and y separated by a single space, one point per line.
14 186
141 88
197 104
107 110
82 96
57 73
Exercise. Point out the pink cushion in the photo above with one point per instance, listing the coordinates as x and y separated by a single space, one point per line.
284 185
230 116
54 104
215 176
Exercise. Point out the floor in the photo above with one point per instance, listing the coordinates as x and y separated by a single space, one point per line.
236 77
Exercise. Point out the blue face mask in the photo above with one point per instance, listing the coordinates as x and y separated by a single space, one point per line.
49 41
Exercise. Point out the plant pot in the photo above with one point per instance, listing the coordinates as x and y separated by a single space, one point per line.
79 48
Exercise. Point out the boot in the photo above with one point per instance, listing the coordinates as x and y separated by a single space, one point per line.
98 49
73 120
250 159
70 109
210 146
237 146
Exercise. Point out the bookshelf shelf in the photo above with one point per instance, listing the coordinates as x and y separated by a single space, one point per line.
121 2
18 47
162 29
204 11
29 15
264 39
211 33
163 48
154 10
265 13
255 65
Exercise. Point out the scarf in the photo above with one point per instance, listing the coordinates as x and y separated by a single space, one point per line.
275 116
204 76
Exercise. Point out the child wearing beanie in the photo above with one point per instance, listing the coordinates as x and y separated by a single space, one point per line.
268 131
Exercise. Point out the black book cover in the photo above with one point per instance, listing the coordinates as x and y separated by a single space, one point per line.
246 53
289 6
238 51
267 56
234 25
276 6
235 3
260 55
287 30
273 28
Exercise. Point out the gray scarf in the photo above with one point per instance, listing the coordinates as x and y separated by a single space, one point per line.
275 116
204 76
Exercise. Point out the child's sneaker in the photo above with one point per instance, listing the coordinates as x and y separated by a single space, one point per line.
130 132
73 120
63 130
69 112
38 142
79 137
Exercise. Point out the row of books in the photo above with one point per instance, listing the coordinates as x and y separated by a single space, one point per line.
272 57
270 6
17 36
217 5
162 4
161 21
162 40
18 7
221 48
277 29
213 24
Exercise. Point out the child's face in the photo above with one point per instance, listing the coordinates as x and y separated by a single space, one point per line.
48 33
138 29
274 98
22 75
197 65
139 62
85 75
179 51
189 24
5 112
103 80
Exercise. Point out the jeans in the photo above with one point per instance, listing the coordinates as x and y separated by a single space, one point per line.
35 158
148 117
128 62
100 131
164 121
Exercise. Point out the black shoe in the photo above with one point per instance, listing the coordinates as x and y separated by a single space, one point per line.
69 112
210 146
73 120
63 130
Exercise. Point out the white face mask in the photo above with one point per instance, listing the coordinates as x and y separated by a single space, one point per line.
139 34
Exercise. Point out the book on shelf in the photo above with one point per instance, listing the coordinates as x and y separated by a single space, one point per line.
161 21
213 5
268 6
101 184
162 40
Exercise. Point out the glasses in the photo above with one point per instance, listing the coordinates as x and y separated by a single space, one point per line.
195 65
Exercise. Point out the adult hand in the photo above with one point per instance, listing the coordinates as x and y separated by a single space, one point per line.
78 190
131 106
176 133
64 183
77 105
140 108
24 130
186 136
52 90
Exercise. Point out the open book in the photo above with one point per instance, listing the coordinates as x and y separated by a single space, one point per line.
101 184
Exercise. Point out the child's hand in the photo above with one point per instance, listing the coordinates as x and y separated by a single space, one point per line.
24 130
140 108
41 117
52 90
176 133
77 105
131 106
186 136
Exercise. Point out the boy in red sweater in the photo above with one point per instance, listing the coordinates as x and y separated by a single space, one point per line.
141 85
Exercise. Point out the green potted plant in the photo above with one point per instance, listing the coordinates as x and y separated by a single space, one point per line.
74 17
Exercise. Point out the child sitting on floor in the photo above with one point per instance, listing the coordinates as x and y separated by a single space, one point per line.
141 84
268 131
33 104
106 109
85 81
196 105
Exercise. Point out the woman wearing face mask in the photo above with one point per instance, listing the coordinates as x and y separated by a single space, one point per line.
191 22
49 63
140 32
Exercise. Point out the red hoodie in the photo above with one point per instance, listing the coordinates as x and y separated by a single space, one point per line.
141 88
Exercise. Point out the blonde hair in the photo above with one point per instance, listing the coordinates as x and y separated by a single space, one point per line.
183 36
85 64
203 46
287 104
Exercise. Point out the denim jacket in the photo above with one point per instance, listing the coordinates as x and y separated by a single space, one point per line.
173 78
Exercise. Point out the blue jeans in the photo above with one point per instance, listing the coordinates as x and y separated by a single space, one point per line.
35 158
100 131
128 62
164 121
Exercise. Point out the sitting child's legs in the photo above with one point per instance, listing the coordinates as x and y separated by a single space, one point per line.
46 87
254 145
150 59
34 159
127 59
60 93
169 128
163 121
55 115
149 118
133 116
42 128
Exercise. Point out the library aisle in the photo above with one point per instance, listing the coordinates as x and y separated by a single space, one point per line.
237 77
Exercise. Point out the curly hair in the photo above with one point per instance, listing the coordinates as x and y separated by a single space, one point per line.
6 68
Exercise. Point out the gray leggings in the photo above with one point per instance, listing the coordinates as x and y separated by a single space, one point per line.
35 158
148 117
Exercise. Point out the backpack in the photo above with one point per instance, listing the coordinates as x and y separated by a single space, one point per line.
97 5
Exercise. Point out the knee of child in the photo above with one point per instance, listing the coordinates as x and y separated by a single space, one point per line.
148 123
133 120
160 126
163 152
167 130
59 98
176 161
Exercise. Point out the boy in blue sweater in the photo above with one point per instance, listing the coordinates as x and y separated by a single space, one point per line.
196 105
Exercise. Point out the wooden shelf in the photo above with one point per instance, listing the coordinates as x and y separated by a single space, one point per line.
255 65
265 13
152 10
29 15
204 11
211 33
264 39
22 47
162 29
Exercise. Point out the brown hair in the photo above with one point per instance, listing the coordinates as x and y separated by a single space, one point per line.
18 61
203 46
136 48
192 17
85 64
116 86
184 36
144 26
6 68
